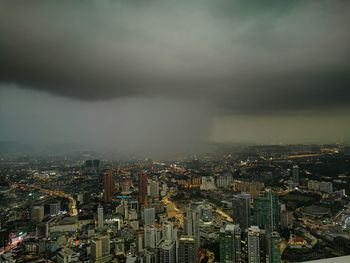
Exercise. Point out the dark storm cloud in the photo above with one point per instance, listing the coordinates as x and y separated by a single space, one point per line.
241 56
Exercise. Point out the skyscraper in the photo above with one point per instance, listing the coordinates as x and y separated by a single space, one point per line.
187 249
295 174
143 181
150 236
274 242
266 211
108 186
241 210
167 252
230 243
37 214
100 249
149 215
253 244
100 216
55 208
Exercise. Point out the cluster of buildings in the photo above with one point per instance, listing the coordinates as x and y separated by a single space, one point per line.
227 210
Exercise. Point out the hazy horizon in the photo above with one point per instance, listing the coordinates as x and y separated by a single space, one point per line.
163 77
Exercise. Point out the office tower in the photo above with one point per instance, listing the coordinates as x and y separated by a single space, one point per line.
96 163
168 232
139 239
37 214
241 210
295 174
266 211
108 186
286 219
100 249
167 251
230 243
151 238
154 189
187 249
263 246
55 208
253 244
274 242
190 222
88 163
143 182
150 255
149 215
119 246
100 219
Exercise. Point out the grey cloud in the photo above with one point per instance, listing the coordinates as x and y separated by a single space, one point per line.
240 56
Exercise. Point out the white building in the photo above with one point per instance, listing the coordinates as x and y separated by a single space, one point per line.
67 255
253 244
208 183
326 187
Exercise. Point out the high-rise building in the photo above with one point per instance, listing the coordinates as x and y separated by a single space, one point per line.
151 237
267 211
149 215
326 187
295 174
119 246
253 244
286 219
108 186
37 214
100 219
208 183
274 242
100 249
169 233
154 189
187 249
241 210
230 244
167 251
190 222
55 208
143 182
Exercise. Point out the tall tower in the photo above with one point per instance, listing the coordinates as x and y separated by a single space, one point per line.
274 242
266 211
100 216
241 210
143 181
187 249
37 214
230 244
100 249
295 174
149 215
108 186
253 244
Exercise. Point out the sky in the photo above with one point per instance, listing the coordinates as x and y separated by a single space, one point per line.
161 77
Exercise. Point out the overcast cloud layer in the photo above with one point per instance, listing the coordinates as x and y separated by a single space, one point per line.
212 59
248 56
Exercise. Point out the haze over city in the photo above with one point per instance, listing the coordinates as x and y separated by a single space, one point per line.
167 77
